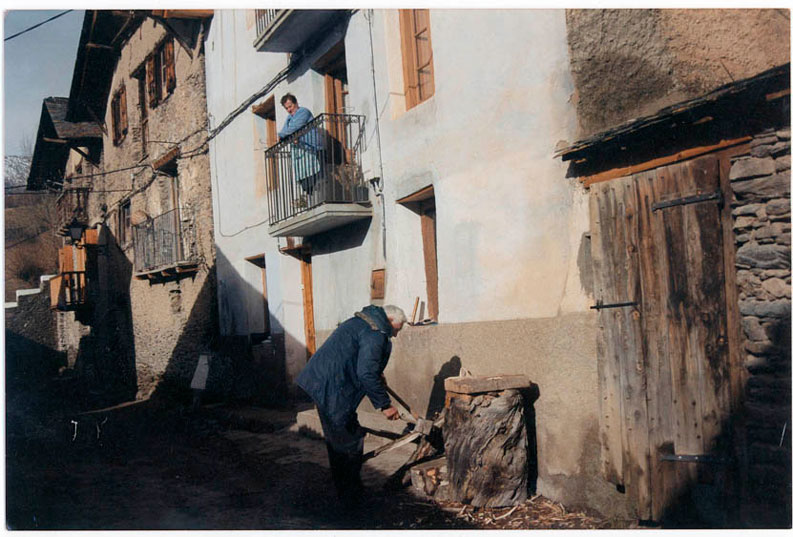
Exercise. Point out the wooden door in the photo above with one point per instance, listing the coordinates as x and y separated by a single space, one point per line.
665 360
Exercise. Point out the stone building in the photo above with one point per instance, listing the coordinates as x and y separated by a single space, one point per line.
431 177
136 284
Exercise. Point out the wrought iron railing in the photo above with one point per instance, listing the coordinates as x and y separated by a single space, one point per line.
165 241
320 163
72 205
264 18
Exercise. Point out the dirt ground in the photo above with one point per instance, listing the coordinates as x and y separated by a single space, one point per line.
162 466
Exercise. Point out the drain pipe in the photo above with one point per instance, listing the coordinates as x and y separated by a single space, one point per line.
377 183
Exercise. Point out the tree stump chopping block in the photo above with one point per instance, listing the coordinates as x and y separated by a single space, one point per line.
485 440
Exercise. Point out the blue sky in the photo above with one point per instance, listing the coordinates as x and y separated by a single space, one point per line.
37 65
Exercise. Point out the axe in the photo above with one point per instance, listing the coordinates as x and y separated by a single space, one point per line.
422 427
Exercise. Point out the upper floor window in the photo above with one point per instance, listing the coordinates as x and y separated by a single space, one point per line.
416 55
160 73
118 110
124 223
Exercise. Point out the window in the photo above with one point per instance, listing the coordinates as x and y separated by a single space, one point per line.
423 204
416 55
266 111
118 110
160 73
257 335
124 223
140 76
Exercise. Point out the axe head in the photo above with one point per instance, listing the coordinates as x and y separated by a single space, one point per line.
423 426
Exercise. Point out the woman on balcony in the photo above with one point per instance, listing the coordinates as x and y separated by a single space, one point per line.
305 160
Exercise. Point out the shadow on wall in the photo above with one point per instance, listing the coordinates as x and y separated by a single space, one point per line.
105 361
340 239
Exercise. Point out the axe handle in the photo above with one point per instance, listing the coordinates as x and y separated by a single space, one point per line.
399 400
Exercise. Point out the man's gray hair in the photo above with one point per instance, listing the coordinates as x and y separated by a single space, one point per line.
395 313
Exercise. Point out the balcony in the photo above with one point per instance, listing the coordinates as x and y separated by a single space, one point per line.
314 177
285 30
165 246
72 207
68 291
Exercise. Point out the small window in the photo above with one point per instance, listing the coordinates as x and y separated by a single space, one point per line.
124 223
118 110
417 55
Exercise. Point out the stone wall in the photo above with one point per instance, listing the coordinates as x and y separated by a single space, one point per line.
761 222
144 332
31 337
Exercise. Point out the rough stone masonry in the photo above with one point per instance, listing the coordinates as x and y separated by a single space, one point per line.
761 225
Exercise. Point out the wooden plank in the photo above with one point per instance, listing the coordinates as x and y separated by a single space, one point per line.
91 237
430 255
634 383
378 284
653 343
472 384
601 225
662 161
56 289
308 304
708 312
420 195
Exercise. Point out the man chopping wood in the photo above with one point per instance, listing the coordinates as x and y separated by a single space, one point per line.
346 367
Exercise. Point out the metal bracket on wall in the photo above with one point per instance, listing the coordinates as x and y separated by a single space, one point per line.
704 459
688 200
599 305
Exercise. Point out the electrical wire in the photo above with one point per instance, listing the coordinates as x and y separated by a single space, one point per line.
9 38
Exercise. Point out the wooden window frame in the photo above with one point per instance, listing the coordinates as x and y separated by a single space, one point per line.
118 113
160 73
124 222
140 75
415 94
259 261
266 111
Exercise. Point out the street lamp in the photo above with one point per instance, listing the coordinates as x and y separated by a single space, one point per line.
75 232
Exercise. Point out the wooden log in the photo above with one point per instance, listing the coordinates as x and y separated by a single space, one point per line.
470 384
487 449
425 478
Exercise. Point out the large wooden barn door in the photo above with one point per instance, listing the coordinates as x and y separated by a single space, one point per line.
664 358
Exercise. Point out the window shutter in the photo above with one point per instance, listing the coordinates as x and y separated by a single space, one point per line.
170 68
151 81
122 103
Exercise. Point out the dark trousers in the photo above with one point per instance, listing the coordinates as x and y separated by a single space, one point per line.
345 454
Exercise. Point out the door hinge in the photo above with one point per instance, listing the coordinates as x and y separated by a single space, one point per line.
688 200
702 459
599 305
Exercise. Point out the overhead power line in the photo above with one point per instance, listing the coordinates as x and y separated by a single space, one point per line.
61 14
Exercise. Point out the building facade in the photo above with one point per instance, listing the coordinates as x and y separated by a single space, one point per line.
136 283
428 179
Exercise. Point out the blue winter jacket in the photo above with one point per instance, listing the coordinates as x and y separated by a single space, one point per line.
349 365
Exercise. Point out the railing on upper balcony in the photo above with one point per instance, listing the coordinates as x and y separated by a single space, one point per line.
165 241
72 205
320 163
265 17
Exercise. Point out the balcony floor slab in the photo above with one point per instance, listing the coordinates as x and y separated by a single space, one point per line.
319 219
